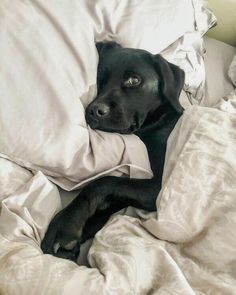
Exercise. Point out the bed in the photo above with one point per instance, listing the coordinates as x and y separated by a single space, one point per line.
188 245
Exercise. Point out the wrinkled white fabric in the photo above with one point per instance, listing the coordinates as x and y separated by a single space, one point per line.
12 177
232 71
188 248
217 61
48 76
187 52
48 72
151 25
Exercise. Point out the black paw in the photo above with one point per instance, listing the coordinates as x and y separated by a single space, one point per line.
63 236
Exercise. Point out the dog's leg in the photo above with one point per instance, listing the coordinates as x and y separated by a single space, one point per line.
99 219
67 229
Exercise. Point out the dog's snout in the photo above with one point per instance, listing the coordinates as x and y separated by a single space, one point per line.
99 110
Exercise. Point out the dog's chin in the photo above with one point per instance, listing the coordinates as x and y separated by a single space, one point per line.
129 130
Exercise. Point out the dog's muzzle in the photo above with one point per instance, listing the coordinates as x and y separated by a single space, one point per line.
95 112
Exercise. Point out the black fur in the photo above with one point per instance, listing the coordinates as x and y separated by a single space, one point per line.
137 93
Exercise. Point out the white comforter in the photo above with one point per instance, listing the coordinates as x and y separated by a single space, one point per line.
189 247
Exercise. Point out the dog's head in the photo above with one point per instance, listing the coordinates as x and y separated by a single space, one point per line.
132 84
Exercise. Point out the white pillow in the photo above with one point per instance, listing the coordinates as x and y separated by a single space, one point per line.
151 25
48 75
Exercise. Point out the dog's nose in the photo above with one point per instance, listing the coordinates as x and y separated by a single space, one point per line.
99 110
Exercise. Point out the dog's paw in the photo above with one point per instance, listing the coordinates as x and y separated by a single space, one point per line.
63 235
66 231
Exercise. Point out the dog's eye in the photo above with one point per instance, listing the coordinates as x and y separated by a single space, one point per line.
132 81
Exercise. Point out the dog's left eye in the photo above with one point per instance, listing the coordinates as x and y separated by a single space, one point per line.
132 81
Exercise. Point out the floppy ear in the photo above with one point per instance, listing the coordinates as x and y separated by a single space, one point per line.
172 81
104 47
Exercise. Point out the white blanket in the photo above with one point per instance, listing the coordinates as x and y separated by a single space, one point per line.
188 248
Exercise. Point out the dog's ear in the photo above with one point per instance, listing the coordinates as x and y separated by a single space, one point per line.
172 81
104 47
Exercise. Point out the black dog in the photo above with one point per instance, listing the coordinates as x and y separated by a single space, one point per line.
137 93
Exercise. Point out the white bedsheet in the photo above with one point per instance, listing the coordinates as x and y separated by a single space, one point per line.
188 248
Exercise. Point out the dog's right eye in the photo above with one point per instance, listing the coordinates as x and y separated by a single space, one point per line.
132 81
